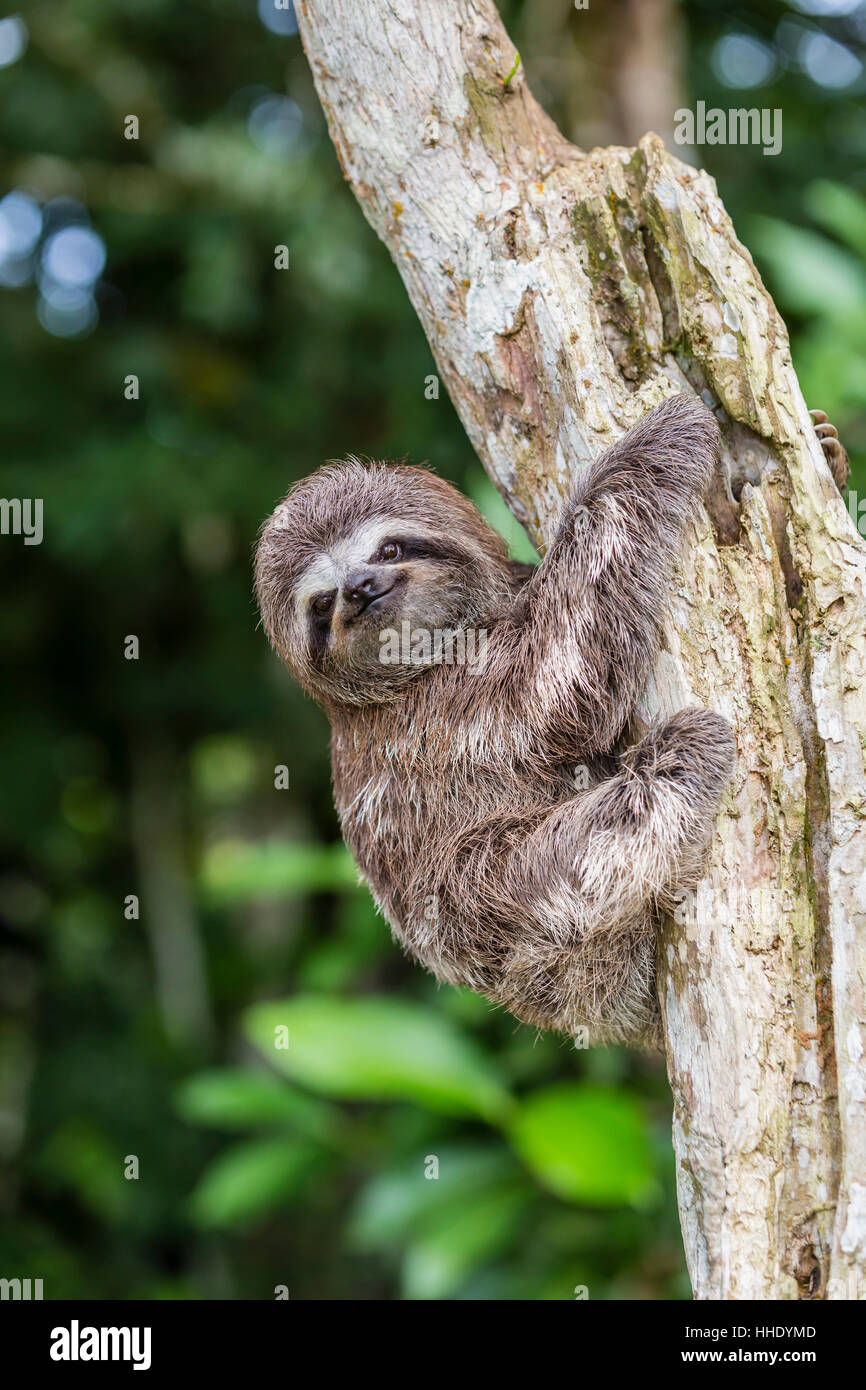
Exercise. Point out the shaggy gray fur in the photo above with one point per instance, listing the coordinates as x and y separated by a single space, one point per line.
497 867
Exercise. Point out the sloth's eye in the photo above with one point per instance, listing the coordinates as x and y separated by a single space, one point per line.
323 604
391 550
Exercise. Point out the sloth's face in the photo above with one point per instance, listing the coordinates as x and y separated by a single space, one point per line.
365 586
357 560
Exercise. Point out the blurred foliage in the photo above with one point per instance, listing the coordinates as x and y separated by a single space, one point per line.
410 1142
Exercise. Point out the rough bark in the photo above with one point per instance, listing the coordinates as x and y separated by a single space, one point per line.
563 294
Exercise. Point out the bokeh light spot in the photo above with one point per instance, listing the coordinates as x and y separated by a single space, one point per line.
66 313
827 62
74 257
13 39
827 7
279 17
20 224
742 61
275 125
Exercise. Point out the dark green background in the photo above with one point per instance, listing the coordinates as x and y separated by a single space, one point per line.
156 777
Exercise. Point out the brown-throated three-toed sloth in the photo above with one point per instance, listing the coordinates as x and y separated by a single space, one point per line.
466 691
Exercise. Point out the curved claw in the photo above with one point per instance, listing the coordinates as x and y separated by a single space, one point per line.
834 451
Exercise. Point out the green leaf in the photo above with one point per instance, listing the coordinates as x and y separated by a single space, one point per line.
839 210
241 1099
235 871
831 366
398 1204
586 1144
811 274
250 1179
461 1239
80 1156
379 1049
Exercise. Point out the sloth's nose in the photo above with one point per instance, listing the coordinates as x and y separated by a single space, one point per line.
362 587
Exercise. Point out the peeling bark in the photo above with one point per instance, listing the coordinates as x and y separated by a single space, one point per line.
563 295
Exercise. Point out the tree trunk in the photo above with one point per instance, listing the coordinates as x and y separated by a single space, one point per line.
563 295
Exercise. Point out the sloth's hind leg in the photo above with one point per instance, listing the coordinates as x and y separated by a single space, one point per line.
667 795
644 829
590 873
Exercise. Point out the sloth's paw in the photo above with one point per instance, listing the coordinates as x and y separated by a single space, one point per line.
834 451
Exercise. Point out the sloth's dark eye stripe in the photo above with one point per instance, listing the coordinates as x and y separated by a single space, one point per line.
416 549
317 639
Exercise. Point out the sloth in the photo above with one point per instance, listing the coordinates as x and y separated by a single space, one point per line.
515 841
